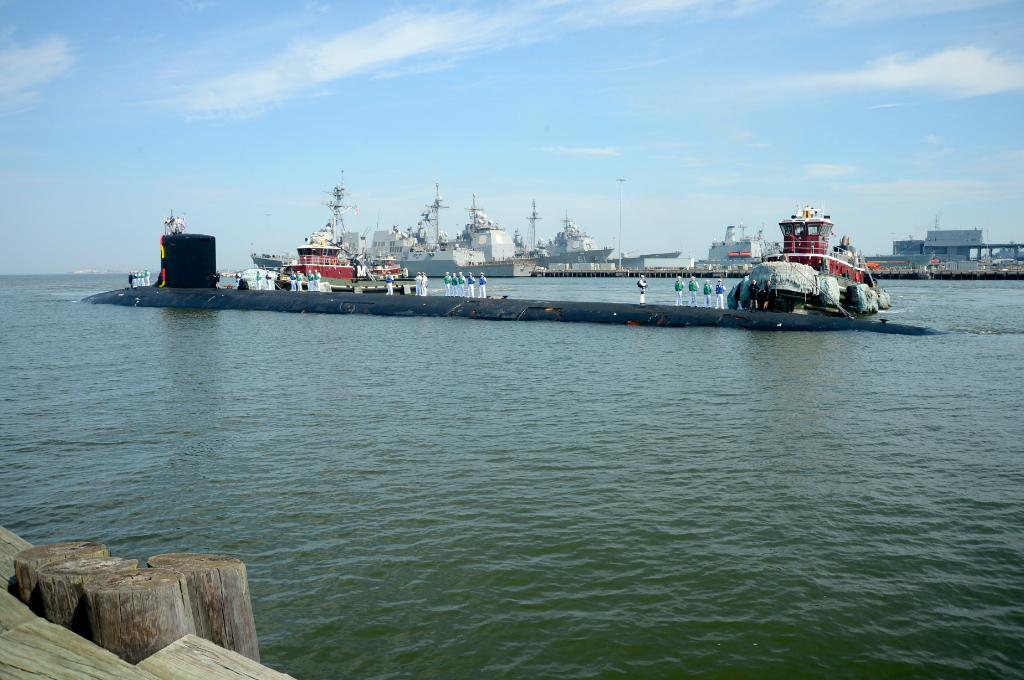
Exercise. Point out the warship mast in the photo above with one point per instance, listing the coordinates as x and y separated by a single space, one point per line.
533 227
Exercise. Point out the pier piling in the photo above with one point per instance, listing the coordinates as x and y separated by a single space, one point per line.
28 562
61 586
137 614
218 591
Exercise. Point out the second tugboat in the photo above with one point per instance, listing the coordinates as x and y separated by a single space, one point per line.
808 276
322 253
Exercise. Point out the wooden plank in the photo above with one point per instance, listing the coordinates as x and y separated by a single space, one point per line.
41 650
13 612
193 658
10 545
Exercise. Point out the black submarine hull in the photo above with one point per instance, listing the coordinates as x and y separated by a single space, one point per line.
493 309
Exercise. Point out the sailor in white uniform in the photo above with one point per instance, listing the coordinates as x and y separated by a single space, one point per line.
483 285
423 290
471 285
390 281
642 285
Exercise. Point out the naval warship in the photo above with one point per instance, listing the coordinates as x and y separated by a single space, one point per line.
482 245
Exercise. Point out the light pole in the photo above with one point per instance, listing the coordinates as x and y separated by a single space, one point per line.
620 180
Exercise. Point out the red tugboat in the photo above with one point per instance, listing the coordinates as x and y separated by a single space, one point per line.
809 276
323 254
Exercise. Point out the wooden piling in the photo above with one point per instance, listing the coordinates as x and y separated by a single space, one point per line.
136 614
219 593
61 586
28 562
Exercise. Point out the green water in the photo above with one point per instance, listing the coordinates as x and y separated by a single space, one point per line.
454 498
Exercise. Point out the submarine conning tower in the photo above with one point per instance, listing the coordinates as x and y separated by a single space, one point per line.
188 261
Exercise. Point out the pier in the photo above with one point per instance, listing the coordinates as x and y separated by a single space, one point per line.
1009 274
659 273
126 637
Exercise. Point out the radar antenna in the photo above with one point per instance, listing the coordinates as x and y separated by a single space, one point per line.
533 226
338 207
434 214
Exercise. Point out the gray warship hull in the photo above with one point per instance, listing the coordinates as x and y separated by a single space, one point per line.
589 256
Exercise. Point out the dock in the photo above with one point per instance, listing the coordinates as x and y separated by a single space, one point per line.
32 648
1014 274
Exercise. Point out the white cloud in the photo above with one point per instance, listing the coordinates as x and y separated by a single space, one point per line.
959 72
886 106
384 47
849 11
601 151
827 170
23 70
380 44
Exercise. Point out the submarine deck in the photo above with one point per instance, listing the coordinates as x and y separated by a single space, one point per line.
494 309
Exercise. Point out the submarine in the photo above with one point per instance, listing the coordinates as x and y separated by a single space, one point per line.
188 280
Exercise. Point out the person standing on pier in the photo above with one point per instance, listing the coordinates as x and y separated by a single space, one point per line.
483 285
720 293
471 284
679 290
642 285
693 290
707 293
390 281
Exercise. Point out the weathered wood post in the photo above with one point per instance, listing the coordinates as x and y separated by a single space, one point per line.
61 586
219 592
28 562
136 614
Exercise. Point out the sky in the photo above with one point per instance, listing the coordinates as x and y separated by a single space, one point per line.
241 115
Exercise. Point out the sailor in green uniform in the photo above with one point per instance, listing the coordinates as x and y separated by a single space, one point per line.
693 290
679 290
447 284
707 293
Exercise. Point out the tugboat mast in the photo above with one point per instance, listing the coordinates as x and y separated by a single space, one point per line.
338 207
